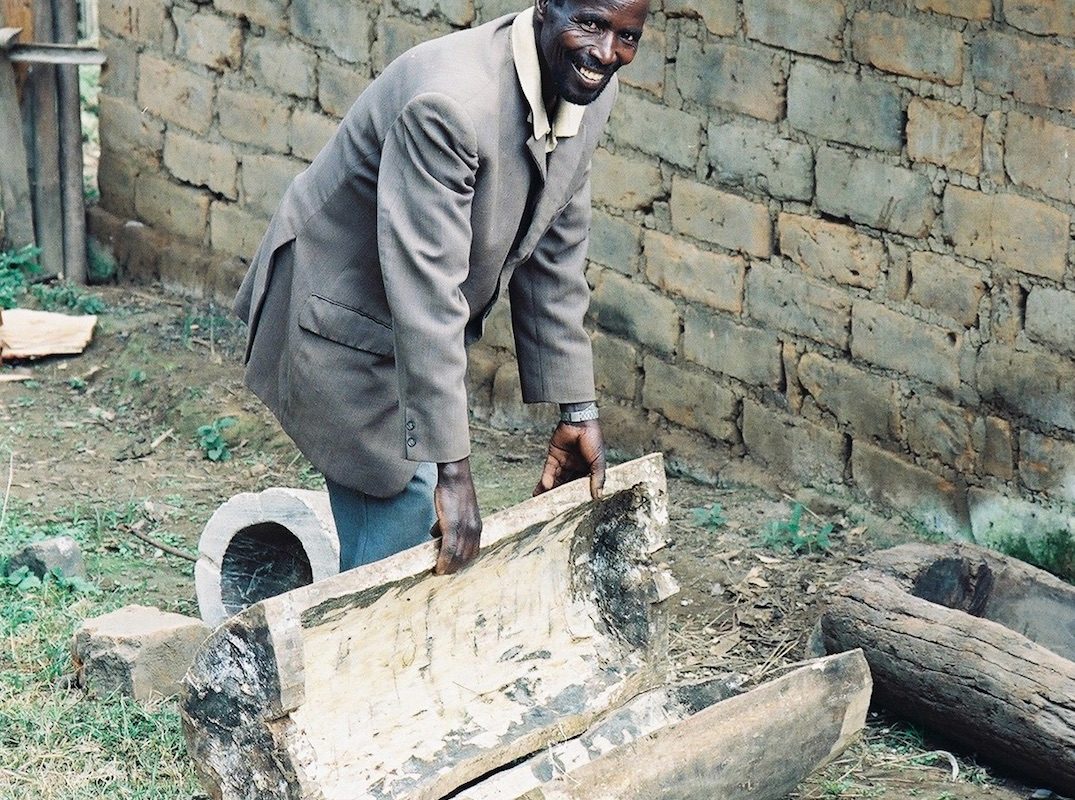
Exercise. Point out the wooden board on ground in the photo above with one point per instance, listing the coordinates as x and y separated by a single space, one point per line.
25 333
975 645
412 686
759 745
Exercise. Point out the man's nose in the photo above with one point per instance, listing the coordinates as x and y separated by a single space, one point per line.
604 49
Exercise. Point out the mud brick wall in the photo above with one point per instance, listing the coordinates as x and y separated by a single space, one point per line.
834 235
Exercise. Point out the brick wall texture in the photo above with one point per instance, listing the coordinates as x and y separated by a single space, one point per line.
833 234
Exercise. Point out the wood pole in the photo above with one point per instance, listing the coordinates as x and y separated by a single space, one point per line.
14 181
70 151
43 149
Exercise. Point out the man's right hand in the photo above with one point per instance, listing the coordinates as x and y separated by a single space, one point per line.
459 522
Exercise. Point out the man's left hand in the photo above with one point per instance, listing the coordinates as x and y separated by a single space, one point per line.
576 449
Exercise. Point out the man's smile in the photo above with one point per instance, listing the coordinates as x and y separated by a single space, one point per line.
590 76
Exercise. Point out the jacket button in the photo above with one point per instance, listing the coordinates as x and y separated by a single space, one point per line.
410 424
411 442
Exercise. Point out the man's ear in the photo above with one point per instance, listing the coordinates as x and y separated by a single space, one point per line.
540 7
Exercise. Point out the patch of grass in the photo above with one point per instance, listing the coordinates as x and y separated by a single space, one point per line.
1054 552
711 516
16 268
211 439
796 535
64 296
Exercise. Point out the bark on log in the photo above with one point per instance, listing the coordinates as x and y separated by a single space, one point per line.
388 682
757 746
973 644
257 545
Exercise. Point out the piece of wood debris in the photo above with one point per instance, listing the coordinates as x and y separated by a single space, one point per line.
26 333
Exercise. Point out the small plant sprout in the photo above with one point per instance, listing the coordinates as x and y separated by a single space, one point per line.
211 439
792 534
711 516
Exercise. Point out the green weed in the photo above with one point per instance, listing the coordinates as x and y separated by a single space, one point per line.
792 534
64 296
1054 552
211 439
16 268
711 517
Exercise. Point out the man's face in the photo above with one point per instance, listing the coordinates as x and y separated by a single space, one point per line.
583 42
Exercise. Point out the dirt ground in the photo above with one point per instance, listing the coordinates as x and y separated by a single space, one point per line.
113 433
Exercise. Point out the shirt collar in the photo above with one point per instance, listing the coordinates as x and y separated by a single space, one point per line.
568 116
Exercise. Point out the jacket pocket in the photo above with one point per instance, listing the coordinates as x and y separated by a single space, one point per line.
345 325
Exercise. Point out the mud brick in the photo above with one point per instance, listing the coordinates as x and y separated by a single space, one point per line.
868 404
625 183
457 12
814 27
1041 17
1031 72
690 399
1047 464
647 70
254 118
945 135
719 75
635 311
282 65
760 160
344 26
175 94
964 9
119 74
208 39
615 366
1034 384
395 36
201 163
271 14
234 230
339 85
996 457
907 47
749 354
177 209
141 21
841 107
942 430
264 179
1050 318
873 193
906 345
722 218
789 302
665 133
791 447
124 127
1031 149
614 243
720 16
677 267
309 133
943 284
831 251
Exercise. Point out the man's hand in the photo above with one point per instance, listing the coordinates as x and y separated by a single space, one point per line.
576 449
459 522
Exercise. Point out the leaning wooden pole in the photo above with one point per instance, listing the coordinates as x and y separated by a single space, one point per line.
389 682
977 646
70 114
15 193
43 148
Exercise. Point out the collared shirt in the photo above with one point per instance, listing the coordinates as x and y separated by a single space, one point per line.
568 116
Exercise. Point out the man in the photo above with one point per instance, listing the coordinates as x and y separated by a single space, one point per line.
464 167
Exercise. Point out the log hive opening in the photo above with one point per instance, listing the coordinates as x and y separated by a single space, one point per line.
261 561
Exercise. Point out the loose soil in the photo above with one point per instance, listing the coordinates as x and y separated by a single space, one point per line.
114 433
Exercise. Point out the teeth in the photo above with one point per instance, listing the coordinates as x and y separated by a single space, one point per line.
590 75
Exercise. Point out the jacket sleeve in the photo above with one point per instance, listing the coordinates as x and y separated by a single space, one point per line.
424 190
549 297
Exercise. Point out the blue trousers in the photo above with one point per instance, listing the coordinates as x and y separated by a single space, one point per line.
371 528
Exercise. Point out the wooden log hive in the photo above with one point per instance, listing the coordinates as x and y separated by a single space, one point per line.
978 646
388 682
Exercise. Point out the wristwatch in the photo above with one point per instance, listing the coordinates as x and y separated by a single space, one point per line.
586 412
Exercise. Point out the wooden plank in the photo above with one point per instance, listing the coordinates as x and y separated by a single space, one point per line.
415 687
756 746
55 54
34 334
43 149
972 644
14 181
75 262
19 14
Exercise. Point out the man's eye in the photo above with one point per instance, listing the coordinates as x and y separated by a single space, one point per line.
630 38
588 25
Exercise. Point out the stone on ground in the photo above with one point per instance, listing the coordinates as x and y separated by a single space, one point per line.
60 552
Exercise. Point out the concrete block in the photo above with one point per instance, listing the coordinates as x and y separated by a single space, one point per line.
615 366
1041 17
841 107
789 302
720 75
647 70
677 267
719 16
665 133
625 183
831 251
906 345
138 651
175 94
942 430
999 66
930 499
1007 229
208 39
255 118
690 399
1032 384
58 553
265 178
761 161
345 27
1050 318
804 451
873 193
1047 465
614 243
310 132
964 9
635 311
719 217
202 163
271 14
998 520
943 284
339 85
133 20
749 354
177 209
868 404
1040 155
458 12
125 127
814 27
119 74
945 135
282 65
234 230
907 47
996 456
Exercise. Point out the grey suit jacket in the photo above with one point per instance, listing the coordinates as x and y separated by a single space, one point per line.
387 253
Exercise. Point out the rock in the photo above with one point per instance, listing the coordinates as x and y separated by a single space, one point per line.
139 651
60 553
